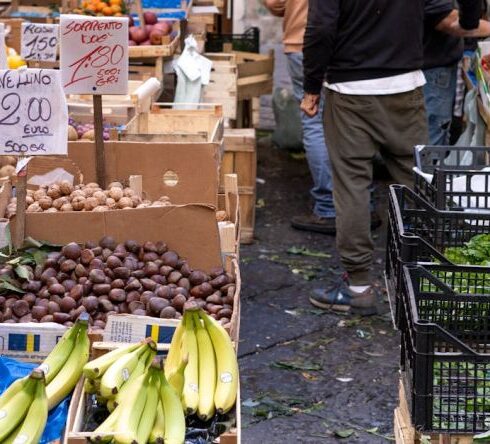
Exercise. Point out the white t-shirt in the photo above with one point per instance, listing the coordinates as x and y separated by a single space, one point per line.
378 87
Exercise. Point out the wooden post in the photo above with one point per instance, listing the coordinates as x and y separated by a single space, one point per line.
99 140
20 218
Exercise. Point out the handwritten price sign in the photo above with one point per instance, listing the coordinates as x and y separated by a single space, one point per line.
33 113
39 42
94 54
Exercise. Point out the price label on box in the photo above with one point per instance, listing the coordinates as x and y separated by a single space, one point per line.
94 54
33 113
39 42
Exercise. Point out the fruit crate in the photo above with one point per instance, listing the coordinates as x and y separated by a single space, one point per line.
240 157
460 176
249 41
445 357
170 44
237 78
81 406
141 95
419 233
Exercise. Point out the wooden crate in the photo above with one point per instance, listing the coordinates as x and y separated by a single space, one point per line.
125 105
169 46
168 125
218 3
240 157
208 19
405 432
145 69
237 79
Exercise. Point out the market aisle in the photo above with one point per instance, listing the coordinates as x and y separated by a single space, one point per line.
293 355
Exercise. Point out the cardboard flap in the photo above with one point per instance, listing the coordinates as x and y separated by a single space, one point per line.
190 230
195 166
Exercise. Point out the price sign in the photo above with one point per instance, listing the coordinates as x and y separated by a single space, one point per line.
33 113
39 42
94 54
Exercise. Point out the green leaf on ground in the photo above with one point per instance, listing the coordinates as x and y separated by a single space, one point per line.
302 251
260 203
297 365
344 433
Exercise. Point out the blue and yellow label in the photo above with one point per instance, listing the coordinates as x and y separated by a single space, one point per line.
24 342
160 334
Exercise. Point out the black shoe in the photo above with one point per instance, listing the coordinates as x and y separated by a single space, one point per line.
312 222
341 298
325 225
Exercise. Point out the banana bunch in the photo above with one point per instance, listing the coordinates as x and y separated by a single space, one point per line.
202 365
149 411
111 375
24 410
60 372
63 366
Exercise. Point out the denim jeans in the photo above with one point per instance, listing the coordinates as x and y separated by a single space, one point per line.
314 144
439 94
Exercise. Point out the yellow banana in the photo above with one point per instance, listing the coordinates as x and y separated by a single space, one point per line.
105 432
96 368
148 416
35 421
111 405
128 419
176 379
173 359
207 371
66 379
59 355
190 392
172 412
120 371
226 364
14 410
12 390
157 434
91 386
138 371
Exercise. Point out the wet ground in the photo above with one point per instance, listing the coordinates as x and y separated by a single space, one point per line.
307 376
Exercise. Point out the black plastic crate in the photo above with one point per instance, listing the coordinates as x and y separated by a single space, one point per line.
419 233
249 41
458 182
446 347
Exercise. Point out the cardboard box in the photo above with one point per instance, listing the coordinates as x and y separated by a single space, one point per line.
185 172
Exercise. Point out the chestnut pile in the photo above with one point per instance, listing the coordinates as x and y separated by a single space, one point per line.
63 196
109 278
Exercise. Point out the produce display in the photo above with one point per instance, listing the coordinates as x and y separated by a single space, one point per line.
63 196
202 349
475 252
153 33
108 8
85 131
25 404
109 278
7 166
200 376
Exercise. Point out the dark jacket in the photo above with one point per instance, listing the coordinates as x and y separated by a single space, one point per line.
367 39
440 49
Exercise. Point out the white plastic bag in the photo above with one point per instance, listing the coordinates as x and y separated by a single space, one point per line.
193 71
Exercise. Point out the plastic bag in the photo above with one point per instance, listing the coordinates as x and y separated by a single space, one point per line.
288 134
10 370
192 70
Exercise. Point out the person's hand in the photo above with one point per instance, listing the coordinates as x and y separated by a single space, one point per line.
310 103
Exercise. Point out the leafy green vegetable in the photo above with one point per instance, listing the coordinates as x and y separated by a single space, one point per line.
475 252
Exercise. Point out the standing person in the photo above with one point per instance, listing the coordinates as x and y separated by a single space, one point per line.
372 54
443 50
322 219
